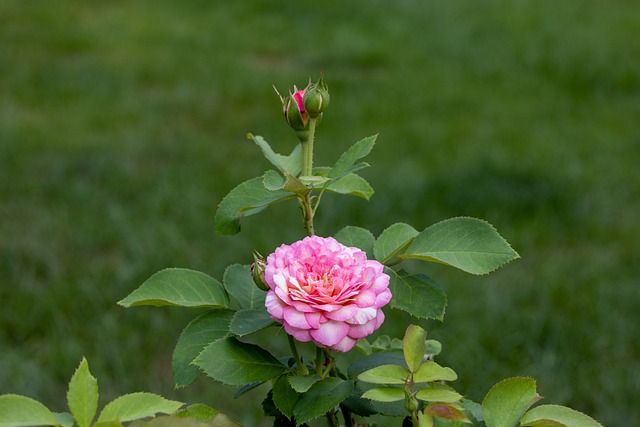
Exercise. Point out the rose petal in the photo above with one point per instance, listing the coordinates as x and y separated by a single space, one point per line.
330 333
295 318
344 345
343 314
274 305
361 331
313 319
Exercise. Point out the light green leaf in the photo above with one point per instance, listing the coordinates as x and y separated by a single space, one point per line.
438 395
108 424
198 334
507 401
358 237
385 394
469 244
82 396
393 240
64 419
178 287
353 185
17 411
236 363
346 162
322 397
385 374
416 294
248 198
284 396
245 322
291 164
170 421
555 415
431 371
239 284
137 405
376 359
302 383
272 180
198 411
414 346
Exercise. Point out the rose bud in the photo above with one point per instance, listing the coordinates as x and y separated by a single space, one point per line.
316 97
294 112
257 272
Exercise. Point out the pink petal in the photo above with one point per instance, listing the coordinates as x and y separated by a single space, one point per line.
295 318
383 298
363 316
361 331
366 298
313 319
344 313
274 305
330 333
344 345
301 335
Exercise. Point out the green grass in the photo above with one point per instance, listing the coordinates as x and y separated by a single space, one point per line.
122 125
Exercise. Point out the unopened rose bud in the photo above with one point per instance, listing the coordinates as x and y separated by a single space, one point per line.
316 97
294 112
411 403
257 272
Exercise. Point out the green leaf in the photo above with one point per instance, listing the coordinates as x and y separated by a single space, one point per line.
137 405
245 322
82 396
198 334
377 359
198 411
352 185
555 415
438 395
64 419
346 162
414 346
18 411
431 371
393 240
416 294
291 164
236 363
272 180
507 401
469 244
385 374
302 383
295 185
178 287
321 398
239 284
108 424
170 421
284 396
385 394
248 198
449 412
359 237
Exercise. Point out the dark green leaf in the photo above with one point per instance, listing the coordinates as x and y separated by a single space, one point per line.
393 240
284 396
359 237
245 322
302 383
178 287
239 284
321 398
248 198
198 334
507 401
416 294
469 244
236 363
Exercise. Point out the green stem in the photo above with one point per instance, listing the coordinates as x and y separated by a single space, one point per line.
319 363
307 170
333 419
301 368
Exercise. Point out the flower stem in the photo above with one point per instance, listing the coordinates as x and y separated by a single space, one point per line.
319 363
301 367
307 170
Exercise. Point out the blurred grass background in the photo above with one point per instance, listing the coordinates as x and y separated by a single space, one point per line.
122 125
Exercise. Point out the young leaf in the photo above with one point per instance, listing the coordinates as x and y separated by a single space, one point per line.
351 184
359 237
168 421
416 294
239 284
272 180
469 244
63 419
236 363
553 415
82 396
346 162
507 401
284 396
178 287
321 398
202 331
18 411
198 411
376 359
137 405
291 164
302 383
248 198
446 411
385 374
384 394
431 371
414 346
438 395
393 240
245 322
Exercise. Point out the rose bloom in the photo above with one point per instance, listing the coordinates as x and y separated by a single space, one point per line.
325 292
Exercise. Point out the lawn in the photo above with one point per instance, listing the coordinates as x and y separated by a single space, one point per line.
122 125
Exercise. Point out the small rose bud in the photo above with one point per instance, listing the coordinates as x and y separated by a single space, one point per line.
411 403
294 112
257 271
316 97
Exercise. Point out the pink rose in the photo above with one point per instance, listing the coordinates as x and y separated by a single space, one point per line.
325 292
